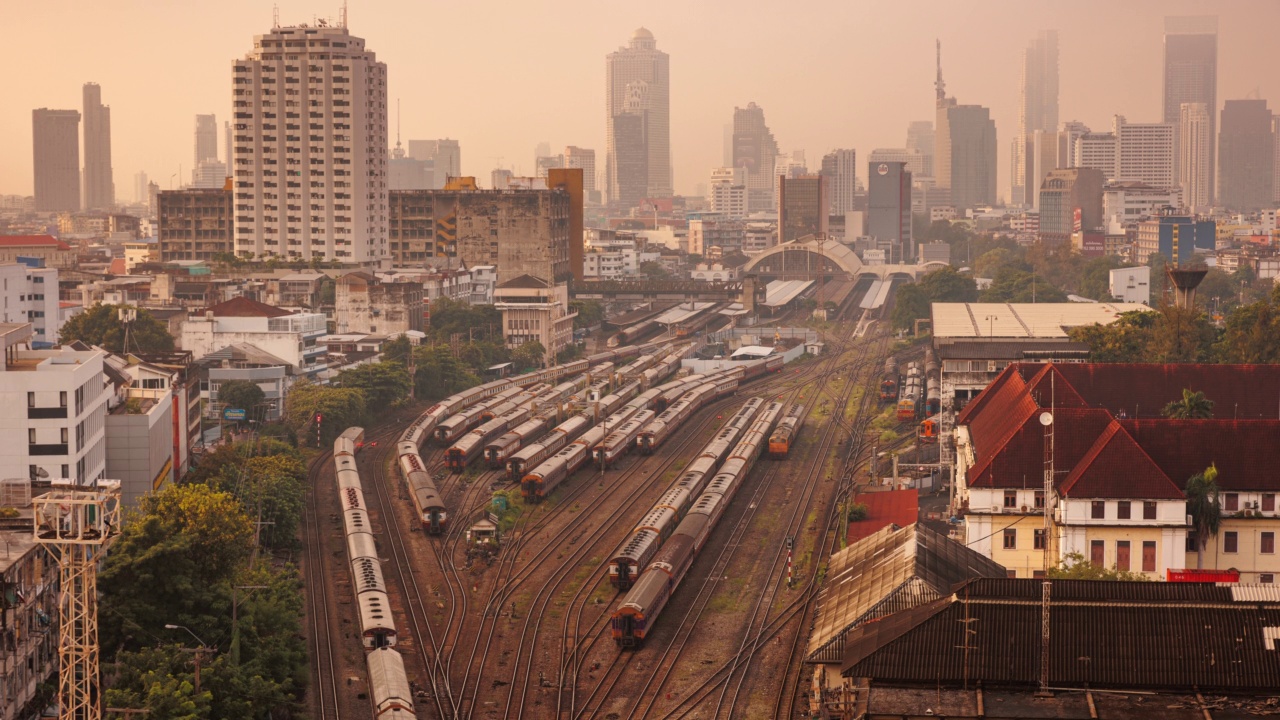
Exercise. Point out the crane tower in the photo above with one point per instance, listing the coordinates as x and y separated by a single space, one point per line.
75 523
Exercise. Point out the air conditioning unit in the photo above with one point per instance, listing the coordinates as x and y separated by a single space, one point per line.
1024 508
996 509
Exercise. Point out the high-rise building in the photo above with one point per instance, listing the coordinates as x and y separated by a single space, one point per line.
1191 72
55 144
547 162
840 169
638 90
206 138
1195 138
1039 113
756 153
140 194
445 156
889 205
1070 201
541 150
965 149
804 207
913 159
728 192
226 144
1146 153
1246 156
406 173
585 160
194 224
920 138
311 169
209 174
99 183
1275 159
1097 151
571 181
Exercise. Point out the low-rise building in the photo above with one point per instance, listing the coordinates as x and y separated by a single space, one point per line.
363 304
30 294
1157 235
1131 285
141 427
1126 204
533 309
290 336
28 609
51 250
241 361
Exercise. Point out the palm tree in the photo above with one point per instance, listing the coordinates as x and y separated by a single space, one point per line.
1203 507
1192 406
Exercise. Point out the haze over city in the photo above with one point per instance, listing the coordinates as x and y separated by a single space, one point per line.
501 79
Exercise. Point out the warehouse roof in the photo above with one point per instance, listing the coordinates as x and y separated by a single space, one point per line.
1022 320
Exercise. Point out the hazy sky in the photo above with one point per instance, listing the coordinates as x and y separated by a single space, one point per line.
500 77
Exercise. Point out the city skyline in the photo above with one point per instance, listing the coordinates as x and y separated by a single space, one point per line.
560 88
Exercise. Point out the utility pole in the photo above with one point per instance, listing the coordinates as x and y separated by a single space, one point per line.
235 620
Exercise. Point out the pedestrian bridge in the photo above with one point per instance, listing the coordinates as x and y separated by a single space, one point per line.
809 258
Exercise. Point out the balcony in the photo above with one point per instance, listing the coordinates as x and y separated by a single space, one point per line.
46 413
51 449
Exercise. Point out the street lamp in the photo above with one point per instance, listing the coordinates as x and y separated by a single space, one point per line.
184 627
196 652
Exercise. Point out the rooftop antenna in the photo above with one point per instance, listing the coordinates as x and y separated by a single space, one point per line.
939 85
275 16
342 20
398 153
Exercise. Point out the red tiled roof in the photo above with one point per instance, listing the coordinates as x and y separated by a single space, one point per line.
245 307
1244 451
25 240
1006 376
1115 467
895 507
1018 462
117 267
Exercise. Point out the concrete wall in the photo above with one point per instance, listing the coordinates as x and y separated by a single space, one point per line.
140 451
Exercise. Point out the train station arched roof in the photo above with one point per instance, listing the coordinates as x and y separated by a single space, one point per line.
805 255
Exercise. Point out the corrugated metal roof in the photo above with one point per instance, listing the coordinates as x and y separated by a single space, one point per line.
1022 320
894 507
1009 349
1166 636
891 570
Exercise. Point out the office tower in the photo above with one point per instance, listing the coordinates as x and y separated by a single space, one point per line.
756 153
920 138
226 144
541 150
547 162
1145 152
206 138
1070 201
584 159
1039 112
311 169
965 149
628 161
209 174
140 194
889 205
728 192
638 90
99 184
803 207
840 169
1246 156
728 145
1275 159
55 142
444 154
914 160
1191 72
1195 138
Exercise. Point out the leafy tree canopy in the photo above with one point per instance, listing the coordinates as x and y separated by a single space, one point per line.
339 408
528 355
242 394
590 313
1075 567
384 383
100 325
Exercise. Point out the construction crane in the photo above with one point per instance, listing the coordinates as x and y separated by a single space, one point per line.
76 523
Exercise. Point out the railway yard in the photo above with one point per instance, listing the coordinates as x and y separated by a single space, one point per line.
534 626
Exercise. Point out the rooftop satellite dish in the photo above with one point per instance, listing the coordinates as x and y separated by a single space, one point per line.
1046 418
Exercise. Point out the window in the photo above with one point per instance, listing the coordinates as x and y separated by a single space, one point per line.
1122 509
1097 552
1122 555
1037 574
31 399
1192 545
1231 503
1010 498
62 399
64 436
1149 510
33 471
1267 578
1039 539
1010 539
1039 499
66 471
1269 502
1011 574
1267 543
1148 556
1098 510
31 436
1230 541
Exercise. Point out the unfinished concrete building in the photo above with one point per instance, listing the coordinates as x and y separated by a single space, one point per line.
363 304
194 224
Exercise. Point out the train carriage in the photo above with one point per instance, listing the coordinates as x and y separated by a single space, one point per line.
389 689
498 451
621 440
377 626
427 501
529 457
629 561
367 575
786 432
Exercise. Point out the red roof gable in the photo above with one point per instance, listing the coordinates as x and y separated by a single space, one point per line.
245 307
1115 467
25 240
895 507
1018 462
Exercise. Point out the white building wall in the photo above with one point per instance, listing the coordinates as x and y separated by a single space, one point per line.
32 413
1132 285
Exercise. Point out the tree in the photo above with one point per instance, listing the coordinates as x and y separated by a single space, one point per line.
1181 336
1204 508
472 322
1075 567
1123 341
242 394
1095 281
1011 285
948 285
1192 406
1252 333
911 304
328 291
384 384
528 355
339 408
100 325
590 313
397 350
654 270
270 487
440 373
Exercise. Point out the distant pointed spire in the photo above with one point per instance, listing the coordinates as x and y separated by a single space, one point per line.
939 85
398 153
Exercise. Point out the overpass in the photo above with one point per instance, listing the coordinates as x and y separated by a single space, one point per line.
809 259
639 291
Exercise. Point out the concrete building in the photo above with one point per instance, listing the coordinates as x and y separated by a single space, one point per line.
1131 285
889 205
755 152
48 250
362 304
840 168
1098 152
729 193
912 159
638 89
1146 153
1191 74
240 361
30 295
99 183
209 174
1155 235
709 237
1038 113
407 173
967 154
533 309
141 427
286 335
194 224
312 186
55 144
206 138
1125 204
570 181
1194 141
443 155
1246 156
920 137
1070 201
803 207
29 610
584 159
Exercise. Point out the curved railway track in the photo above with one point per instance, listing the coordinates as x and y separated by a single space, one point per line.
324 675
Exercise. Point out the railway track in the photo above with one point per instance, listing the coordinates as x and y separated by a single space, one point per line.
324 675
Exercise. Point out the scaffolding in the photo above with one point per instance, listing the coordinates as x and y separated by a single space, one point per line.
75 523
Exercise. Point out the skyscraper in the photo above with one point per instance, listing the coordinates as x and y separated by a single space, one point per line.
99 184
311 169
445 154
206 138
1195 138
1039 112
840 168
1146 153
1246 156
889 205
965 146
1191 71
803 207
920 138
55 144
638 86
756 152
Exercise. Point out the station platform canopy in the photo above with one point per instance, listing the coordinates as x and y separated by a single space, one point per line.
751 352
682 312
781 292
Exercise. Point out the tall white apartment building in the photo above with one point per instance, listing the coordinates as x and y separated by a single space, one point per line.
1195 155
30 294
729 191
1145 152
840 169
310 147
1096 151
